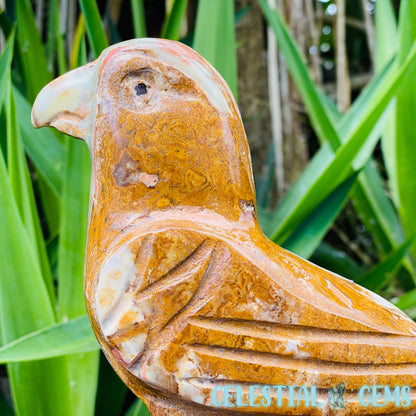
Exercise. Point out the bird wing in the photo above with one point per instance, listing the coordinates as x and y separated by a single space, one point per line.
187 312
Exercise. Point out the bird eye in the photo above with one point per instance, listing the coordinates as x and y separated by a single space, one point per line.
141 89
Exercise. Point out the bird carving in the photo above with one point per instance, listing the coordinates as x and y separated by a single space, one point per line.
192 305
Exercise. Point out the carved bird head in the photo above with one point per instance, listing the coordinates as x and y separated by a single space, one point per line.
162 127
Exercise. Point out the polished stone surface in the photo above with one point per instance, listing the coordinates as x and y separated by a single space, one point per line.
186 295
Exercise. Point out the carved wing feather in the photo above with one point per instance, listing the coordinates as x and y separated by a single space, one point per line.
194 313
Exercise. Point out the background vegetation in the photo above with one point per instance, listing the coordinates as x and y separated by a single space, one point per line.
333 97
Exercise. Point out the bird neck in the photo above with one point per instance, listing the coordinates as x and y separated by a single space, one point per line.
171 163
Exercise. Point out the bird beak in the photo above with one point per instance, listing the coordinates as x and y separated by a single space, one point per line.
67 103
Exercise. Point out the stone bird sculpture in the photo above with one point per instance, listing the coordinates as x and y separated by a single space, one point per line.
196 310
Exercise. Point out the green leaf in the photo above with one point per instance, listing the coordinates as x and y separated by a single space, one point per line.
215 38
348 122
322 112
48 155
354 151
386 33
55 42
51 205
172 26
19 173
5 64
95 30
72 337
375 278
25 304
138 408
31 50
25 307
139 22
83 369
307 236
73 230
36 76
386 47
314 170
321 123
376 210
368 196
337 261
42 146
23 192
405 136
406 301
77 46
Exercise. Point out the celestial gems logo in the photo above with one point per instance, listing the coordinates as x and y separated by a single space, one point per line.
228 396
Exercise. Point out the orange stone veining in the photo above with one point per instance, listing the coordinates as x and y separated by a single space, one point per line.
183 290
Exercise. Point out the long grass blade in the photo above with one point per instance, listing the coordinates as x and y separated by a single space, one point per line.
5 64
78 39
36 75
172 26
376 210
321 123
405 136
139 22
215 38
355 151
73 231
406 301
25 307
370 199
55 43
31 50
48 155
307 236
72 337
83 369
95 30
386 48
23 193
368 196
42 146
138 408
379 275
337 261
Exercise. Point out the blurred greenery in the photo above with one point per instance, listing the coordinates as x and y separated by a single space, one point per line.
364 163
